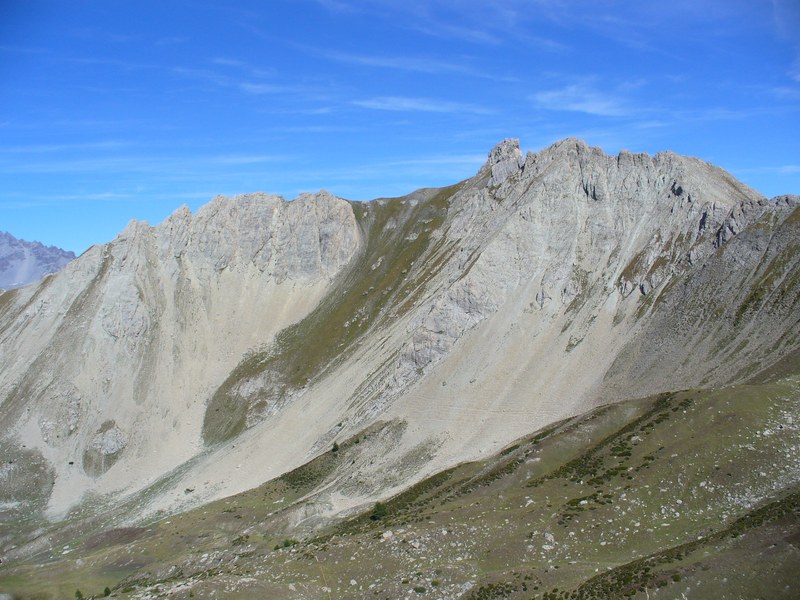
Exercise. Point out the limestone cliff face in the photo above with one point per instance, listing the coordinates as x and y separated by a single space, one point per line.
220 349
110 363
573 236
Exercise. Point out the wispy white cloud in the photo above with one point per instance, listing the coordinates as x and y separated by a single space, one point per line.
786 92
103 35
171 166
317 129
584 98
227 62
248 79
91 197
252 82
413 64
547 44
264 88
247 159
172 40
41 200
339 6
245 67
64 148
427 172
404 63
786 19
456 159
21 49
772 170
459 32
208 75
406 104
794 70
299 92
112 62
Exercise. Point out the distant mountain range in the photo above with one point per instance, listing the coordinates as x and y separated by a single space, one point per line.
24 262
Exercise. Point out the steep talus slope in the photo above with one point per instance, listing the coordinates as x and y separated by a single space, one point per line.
727 320
111 362
183 355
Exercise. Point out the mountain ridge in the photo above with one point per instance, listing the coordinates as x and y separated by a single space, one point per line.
470 315
22 262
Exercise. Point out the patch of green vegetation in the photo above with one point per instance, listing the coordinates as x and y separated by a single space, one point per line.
379 512
26 481
573 343
634 268
310 475
7 300
405 507
511 461
581 277
491 591
649 572
591 466
509 450
779 277
793 219
286 543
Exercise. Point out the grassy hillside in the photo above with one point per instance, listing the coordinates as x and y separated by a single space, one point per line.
695 493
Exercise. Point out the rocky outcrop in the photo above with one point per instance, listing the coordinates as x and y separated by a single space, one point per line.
584 229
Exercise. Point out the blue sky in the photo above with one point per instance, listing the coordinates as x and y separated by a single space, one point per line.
115 110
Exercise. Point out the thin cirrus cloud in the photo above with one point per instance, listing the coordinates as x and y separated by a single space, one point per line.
252 84
779 170
403 63
466 34
584 99
303 92
406 104
192 165
64 148
247 159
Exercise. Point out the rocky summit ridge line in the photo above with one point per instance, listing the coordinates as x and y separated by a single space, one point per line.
24 262
199 358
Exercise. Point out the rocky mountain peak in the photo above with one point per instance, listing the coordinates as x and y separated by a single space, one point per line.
505 150
503 160
24 262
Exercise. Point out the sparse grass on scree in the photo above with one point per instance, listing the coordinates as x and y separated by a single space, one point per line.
693 492
385 277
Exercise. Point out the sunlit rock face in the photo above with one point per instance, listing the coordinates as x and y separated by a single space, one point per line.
220 349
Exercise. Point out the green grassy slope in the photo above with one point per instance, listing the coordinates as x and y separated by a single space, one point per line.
695 493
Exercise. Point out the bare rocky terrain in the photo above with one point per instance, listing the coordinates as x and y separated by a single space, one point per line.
24 262
548 373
